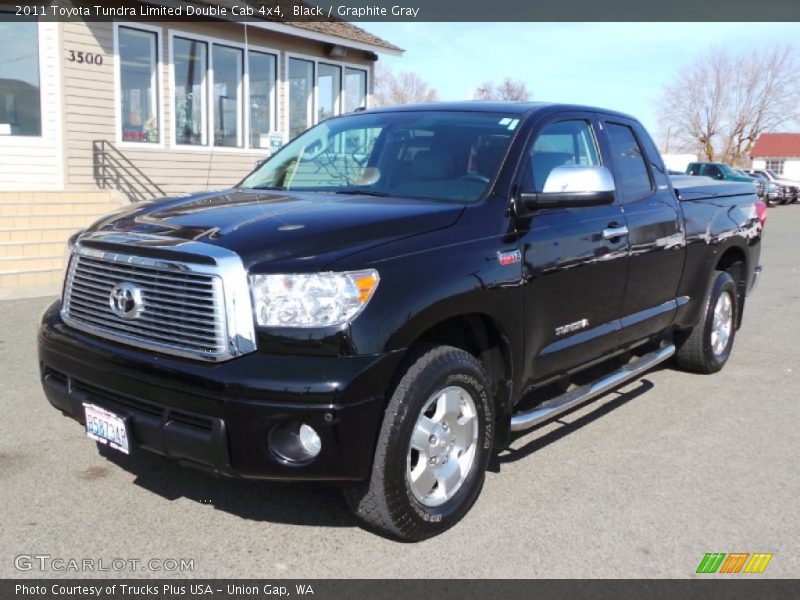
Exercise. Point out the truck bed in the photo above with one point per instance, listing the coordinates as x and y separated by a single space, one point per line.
691 188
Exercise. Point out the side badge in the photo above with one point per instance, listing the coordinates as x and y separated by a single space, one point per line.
509 258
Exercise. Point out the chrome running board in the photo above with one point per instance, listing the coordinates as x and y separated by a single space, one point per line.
564 402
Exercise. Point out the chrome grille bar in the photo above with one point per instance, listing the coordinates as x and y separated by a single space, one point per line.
192 310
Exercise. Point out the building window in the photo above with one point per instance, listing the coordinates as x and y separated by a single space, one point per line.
355 92
329 86
190 60
228 72
20 91
776 165
262 76
138 59
301 91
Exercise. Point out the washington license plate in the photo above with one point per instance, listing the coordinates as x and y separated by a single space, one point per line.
107 428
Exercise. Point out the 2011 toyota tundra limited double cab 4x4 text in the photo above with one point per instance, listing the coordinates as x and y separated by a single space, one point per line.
388 298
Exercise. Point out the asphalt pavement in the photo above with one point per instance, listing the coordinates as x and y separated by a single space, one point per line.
641 483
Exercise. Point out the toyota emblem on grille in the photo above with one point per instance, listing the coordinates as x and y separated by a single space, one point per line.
125 300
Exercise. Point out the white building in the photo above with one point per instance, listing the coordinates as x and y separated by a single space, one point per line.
778 152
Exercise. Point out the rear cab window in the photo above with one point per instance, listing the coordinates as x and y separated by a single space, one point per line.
629 162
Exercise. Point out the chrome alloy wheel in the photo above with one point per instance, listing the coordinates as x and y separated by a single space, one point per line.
722 324
442 448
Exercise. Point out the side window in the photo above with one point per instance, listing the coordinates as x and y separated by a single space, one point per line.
713 171
627 155
559 144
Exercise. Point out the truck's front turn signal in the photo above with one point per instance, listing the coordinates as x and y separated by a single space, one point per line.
366 285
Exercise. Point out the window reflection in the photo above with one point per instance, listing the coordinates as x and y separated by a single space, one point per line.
301 88
190 62
262 82
228 67
138 82
20 92
355 89
329 82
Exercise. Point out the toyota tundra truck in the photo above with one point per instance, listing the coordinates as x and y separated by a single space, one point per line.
386 301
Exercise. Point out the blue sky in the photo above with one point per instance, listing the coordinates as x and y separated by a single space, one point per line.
621 66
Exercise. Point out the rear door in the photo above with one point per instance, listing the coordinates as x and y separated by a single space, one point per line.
656 234
574 275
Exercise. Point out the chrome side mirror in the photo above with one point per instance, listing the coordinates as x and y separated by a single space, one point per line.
573 186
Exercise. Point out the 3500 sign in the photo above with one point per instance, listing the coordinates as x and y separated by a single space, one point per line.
85 58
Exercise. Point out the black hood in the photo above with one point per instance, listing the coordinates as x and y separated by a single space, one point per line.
275 227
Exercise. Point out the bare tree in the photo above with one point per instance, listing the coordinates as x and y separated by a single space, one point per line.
722 102
508 89
400 88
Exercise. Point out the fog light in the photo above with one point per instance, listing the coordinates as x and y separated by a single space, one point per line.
294 442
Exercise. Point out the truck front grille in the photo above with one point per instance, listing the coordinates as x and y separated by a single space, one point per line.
175 307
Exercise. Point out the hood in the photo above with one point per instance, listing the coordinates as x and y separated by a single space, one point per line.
271 228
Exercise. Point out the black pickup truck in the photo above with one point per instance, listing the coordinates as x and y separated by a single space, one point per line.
387 300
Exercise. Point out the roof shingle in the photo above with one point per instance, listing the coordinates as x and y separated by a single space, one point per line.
777 145
334 27
345 30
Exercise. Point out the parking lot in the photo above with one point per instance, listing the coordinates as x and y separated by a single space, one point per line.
641 483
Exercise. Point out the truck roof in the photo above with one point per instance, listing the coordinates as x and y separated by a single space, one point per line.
508 107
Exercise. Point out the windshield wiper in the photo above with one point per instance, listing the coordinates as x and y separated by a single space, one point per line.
268 187
363 192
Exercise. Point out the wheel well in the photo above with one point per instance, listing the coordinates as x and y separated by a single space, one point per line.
734 261
482 337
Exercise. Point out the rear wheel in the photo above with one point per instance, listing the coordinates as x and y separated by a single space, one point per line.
707 346
433 448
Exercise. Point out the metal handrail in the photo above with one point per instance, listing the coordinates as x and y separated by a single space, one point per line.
110 166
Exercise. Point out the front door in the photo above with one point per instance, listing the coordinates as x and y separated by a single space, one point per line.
574 273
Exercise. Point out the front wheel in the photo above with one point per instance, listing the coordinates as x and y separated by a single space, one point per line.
707 346
434 445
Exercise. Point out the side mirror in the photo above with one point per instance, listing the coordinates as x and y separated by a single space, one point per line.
571 186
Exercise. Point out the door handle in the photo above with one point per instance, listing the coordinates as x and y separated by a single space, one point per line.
615 232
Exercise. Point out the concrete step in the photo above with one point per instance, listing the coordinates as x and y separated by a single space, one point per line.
30 263
45 197
49 234
46 221
35 277
97 207
31 249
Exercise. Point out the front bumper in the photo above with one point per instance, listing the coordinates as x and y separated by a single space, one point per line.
217 416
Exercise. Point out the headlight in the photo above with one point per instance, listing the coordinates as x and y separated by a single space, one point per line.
311 300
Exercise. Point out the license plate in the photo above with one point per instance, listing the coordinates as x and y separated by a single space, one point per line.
107 428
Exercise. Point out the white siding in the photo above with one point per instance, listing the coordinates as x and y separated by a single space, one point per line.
34 164
791 169
91 97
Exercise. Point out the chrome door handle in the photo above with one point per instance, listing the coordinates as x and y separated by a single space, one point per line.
615 232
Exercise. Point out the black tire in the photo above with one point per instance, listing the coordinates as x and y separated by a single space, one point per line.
386 503
695 352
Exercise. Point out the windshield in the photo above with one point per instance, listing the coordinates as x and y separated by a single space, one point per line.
426 154
774 174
